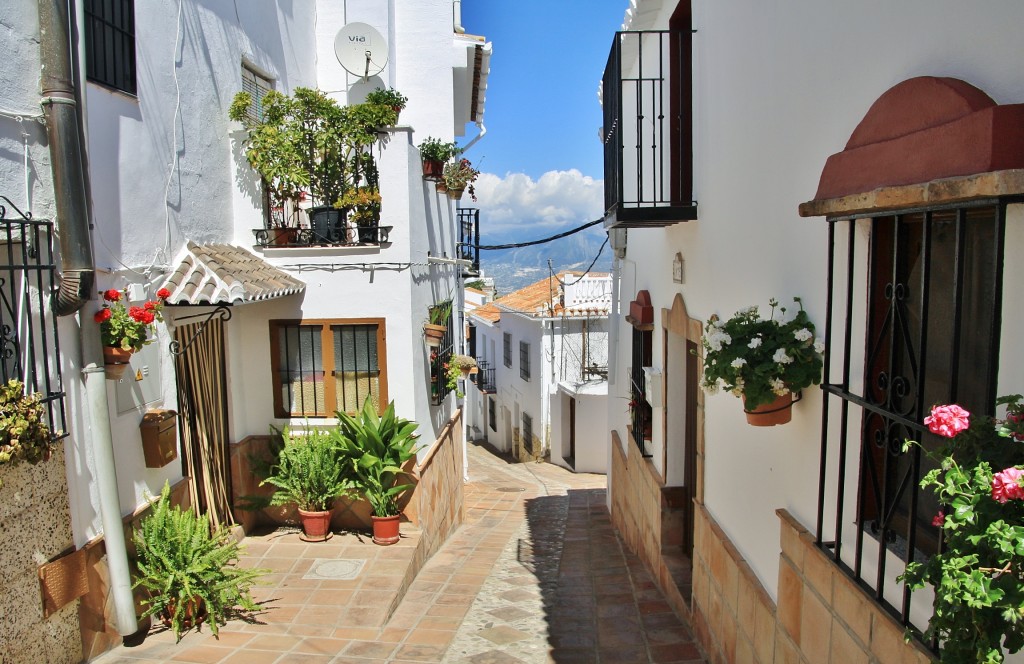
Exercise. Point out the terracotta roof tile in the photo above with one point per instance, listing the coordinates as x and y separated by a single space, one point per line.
542 298
225 274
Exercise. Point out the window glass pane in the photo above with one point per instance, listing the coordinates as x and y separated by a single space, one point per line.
356 368
300 360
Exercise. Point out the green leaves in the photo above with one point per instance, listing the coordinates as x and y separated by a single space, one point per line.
190 569
309 472
24 434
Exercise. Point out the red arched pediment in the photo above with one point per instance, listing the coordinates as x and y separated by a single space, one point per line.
923 129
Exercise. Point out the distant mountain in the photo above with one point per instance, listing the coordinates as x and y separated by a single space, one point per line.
513 269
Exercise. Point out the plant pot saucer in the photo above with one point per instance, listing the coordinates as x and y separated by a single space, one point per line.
323 538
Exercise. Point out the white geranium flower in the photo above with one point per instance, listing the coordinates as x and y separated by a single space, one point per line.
780 357
819 346
738 362
718 339
778 387
755 342
803 334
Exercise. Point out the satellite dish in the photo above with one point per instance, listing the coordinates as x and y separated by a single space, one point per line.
361 50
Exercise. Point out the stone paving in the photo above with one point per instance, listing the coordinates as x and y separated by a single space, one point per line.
535 574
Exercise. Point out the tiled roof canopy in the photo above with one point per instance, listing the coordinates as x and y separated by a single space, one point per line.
224 274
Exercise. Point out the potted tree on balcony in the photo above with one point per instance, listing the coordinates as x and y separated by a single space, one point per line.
307 144
378 449
434 152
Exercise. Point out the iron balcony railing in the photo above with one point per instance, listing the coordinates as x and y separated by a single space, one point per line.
469 239
485 377
322 237
439 358
29 344
648 171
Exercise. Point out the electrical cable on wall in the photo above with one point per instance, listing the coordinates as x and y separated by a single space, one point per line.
531 243
589 267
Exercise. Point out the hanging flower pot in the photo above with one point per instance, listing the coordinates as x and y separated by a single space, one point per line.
778 411
434 334
455 194
440 187
115 361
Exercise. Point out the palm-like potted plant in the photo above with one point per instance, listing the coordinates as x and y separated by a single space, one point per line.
189 570
765 361
434 152
311 474
378 448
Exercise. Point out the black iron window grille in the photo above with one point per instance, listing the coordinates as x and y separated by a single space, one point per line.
281 230
640 412
506 347
648 172
29 344
492 413
439 358
930 336
320 367
469 239
524 360
527 443
110 43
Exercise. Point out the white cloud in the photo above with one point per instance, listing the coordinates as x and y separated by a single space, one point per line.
518 205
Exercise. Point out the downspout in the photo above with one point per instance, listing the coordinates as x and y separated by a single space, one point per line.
60 101
457 17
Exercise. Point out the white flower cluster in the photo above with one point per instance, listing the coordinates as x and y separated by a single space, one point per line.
803 334
755 342
738 362
780 357
778 387
717 339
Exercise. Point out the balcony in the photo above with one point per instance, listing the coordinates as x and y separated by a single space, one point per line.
343 236
484 377
469 240
648 155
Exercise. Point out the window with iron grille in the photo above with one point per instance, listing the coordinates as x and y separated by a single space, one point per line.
110 43
492 414
524 360
320 367
527 432
506 341
641 415
931 336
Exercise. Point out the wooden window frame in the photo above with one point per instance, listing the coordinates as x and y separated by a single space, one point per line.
327 358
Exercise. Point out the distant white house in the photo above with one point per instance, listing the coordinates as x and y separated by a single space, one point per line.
541 387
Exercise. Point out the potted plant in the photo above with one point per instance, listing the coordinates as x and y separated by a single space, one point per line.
459 366
434 152
390 98
458 177
24 434
190 571
308 144
378 448
310 473
126 329
363 204
978 573
762 360
436 326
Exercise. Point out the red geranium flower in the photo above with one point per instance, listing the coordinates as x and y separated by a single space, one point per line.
163 293
112 295
126 327
102 315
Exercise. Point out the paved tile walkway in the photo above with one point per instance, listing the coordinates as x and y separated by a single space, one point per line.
535 575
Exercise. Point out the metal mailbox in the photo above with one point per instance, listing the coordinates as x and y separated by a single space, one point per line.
159 437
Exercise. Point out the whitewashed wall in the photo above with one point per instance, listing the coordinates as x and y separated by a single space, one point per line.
777 89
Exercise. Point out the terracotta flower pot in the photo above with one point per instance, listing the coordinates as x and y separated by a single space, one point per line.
432 170
779 411
115 361
316 526
385 529
434 334
194 613
455 194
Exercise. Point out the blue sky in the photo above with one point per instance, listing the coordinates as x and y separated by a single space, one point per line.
541 157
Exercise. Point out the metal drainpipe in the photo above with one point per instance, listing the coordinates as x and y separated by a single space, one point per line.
77 280
457 17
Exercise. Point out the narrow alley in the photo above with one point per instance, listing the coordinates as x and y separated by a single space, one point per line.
536 574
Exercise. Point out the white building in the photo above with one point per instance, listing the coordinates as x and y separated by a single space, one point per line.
173 203
786 149
541 389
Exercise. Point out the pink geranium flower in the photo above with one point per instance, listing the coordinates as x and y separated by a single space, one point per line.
947 421
939 519
1006 485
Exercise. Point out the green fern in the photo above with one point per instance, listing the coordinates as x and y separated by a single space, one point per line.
310 472
188 567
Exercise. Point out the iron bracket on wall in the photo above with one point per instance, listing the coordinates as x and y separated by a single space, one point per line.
222 310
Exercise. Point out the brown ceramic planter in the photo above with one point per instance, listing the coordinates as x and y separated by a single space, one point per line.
779 411
385 529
